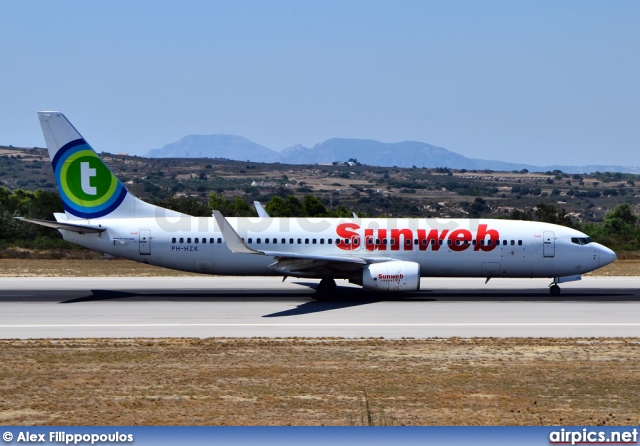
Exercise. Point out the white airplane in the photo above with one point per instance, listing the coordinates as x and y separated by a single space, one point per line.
380 254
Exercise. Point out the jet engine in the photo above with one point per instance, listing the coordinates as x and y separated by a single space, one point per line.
391 276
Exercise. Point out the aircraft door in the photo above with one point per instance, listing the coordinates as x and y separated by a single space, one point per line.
144 241
549 244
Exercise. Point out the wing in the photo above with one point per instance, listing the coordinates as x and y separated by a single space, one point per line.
292 262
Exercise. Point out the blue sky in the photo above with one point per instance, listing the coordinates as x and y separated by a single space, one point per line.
540 82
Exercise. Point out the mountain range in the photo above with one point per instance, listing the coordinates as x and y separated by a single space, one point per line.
366 151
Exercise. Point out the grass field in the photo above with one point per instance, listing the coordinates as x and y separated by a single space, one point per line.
320 382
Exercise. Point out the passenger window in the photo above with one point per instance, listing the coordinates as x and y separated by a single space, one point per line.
189 240
513 242
265 240
299 241
356 241
204 240
250 240
393 241
504 243
173 240
313 241
346 241
378 241
181 240
219 240
449 242
408 242
329 240
433 242
384 241
306 241
369 241
519 242
322 241
283 241
196 240
291 241
258 240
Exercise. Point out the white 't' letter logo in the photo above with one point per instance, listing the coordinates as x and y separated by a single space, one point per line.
86 172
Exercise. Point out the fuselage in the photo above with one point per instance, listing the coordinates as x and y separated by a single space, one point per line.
442 247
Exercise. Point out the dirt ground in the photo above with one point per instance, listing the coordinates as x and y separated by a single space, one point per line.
320 382
128 268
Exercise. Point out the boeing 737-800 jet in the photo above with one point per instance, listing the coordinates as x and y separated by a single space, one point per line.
380 254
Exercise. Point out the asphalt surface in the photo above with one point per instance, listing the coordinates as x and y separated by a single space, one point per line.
267 307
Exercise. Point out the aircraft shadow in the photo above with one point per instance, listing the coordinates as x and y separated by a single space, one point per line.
350 297
208 296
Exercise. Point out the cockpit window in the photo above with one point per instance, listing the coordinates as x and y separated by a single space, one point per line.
581 240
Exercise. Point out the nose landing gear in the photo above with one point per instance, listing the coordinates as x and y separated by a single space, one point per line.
554 289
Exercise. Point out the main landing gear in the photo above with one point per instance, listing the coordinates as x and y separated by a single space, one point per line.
554 289
326 287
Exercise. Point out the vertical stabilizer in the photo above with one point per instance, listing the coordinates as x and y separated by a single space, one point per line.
87 186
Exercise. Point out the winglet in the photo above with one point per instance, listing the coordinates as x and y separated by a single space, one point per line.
262 212
231 237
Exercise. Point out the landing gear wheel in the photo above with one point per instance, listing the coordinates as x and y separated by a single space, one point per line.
326 287
554 289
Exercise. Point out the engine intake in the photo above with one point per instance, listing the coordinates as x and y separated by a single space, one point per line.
397 275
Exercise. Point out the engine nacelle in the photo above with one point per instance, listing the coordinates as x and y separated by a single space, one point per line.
391 276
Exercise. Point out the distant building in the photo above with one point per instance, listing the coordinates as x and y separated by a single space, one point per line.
264 184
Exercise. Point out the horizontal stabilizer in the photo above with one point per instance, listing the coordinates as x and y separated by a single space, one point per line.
81 229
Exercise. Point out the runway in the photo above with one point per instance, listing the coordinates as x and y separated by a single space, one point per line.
267 307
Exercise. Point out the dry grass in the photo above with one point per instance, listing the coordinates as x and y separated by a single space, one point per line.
619 268
128 268
319 381
82 268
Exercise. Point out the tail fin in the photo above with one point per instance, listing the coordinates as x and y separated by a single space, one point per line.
87 186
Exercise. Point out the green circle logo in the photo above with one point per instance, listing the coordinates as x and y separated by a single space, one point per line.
87 187
86 180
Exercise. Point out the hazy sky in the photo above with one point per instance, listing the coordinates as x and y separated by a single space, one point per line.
540 82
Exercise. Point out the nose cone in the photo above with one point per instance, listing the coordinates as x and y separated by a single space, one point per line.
606 256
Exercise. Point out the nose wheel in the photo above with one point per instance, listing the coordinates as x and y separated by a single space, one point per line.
554 289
